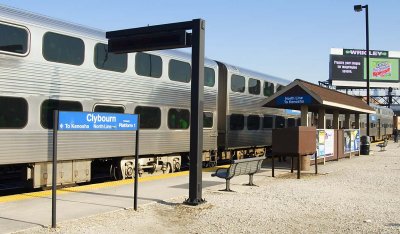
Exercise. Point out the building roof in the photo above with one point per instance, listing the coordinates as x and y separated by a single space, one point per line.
301 92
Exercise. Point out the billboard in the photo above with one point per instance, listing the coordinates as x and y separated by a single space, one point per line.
348 68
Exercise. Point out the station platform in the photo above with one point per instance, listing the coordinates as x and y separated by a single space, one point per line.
24 211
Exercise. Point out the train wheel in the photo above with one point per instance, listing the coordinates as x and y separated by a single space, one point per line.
167 169
115 172
177 166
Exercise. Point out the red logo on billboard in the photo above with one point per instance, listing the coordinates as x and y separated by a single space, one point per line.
382 69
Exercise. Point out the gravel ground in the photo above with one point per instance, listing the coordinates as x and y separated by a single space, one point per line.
360 195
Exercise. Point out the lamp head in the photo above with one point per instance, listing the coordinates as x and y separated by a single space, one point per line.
358 8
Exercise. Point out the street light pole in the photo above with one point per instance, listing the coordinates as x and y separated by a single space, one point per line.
359 8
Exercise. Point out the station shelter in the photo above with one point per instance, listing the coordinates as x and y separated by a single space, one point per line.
332 142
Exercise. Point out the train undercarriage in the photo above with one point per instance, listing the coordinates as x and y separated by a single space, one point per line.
39 175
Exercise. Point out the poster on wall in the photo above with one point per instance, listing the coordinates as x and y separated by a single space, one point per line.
351 140
356 140
329 142
325 142
347 140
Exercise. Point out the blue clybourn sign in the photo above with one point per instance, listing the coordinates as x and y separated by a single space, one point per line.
96 121
288 100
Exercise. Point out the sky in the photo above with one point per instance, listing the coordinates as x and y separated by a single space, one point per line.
290 39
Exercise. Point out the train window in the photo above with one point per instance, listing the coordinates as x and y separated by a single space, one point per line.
268 88
13 112
207 120
148 65
48 107
178 118
267 122
150 117
209 77
109 109
13 39
236 122
253 122
179 71
298 121
279 122
63 49
254 86
279 87
237 83
109 61
291 122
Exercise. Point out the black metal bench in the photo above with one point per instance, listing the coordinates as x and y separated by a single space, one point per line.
248 166
383 145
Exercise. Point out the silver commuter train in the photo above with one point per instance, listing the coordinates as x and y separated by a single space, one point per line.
381 123
48 64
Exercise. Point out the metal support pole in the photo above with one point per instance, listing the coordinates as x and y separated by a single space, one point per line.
54 176
196 115
291 164
251 180
273 166
367 47
135 192
298 166
316 163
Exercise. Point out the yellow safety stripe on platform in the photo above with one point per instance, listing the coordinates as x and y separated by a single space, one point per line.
60 191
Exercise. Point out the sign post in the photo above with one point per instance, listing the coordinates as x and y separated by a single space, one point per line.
170 36
135 192
92 121
54 177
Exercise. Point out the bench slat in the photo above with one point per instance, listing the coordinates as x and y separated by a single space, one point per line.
248 166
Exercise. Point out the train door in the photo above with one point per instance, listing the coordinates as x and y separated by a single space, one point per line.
378 130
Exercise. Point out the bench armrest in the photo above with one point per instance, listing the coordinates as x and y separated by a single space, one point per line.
221 173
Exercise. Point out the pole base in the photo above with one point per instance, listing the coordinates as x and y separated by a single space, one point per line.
194 201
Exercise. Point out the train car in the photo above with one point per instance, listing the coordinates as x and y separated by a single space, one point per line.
243 127
396 122
381 123
47 65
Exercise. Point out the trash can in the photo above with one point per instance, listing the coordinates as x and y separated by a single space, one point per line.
364 145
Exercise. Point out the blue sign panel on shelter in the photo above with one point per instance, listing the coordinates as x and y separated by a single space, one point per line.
96 121
288 100
292 112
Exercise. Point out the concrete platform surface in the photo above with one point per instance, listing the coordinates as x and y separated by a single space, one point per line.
24 211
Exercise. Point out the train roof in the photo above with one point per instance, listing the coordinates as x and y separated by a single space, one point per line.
44 21
41 20
55 24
